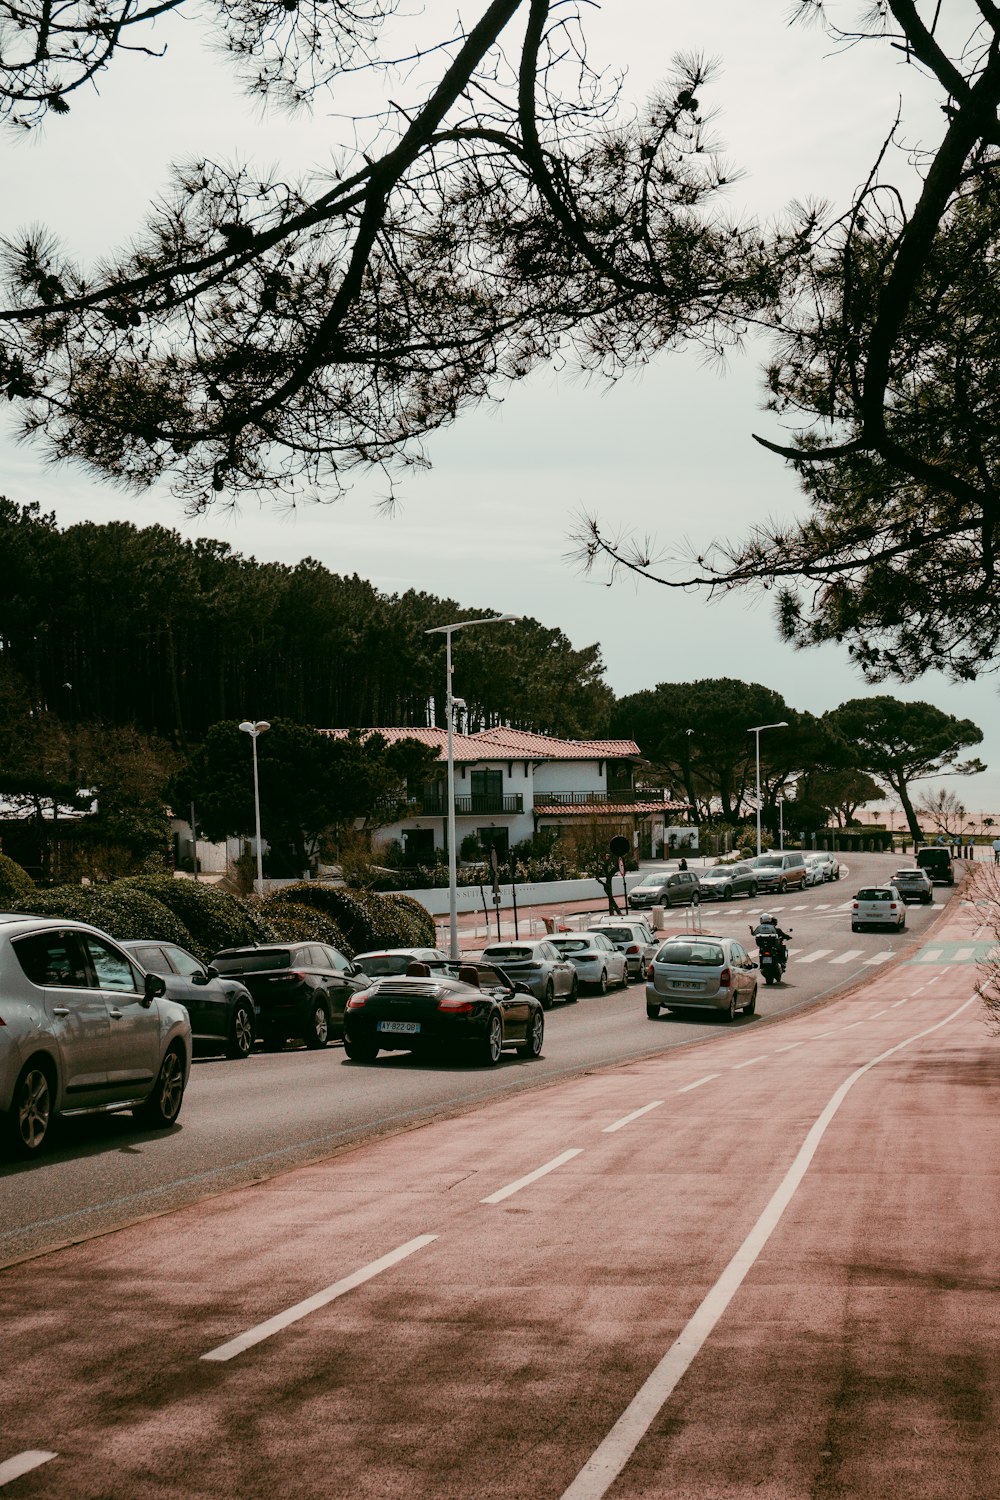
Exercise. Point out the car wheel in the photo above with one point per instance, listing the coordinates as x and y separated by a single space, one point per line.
727 894
532 1046
29 1120
493 1046
602 983
855 927
652 1011
751 1005
317 1031
751 893
623 982
364 1052
164 1103
902 923
241 1036
574 991
548 996
782 887
927 900
731 1012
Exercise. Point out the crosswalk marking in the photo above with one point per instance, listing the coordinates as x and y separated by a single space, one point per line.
878 958
812 958
930 955
964 954
845 958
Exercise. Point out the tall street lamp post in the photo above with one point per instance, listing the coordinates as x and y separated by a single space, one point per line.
447 631
255 730
756 730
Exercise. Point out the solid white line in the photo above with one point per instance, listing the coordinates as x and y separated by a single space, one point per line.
845 958
550 1166
879 958
761 1057
697 1083
603 1467
627 1119
812 958
23 1463
320 1299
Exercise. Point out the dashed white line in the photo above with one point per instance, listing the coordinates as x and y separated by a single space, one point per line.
291 1315
789 1046
761 1057
635 1115
697 1083
899 1002
878 1013
23 1463
522 1182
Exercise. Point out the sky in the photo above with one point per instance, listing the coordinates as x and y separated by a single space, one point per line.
667 452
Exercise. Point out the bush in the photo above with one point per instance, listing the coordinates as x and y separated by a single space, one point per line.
295 922
122 912
213 918
15 883
366 919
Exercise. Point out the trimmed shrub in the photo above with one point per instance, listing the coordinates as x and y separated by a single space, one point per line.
213 918
15 884
413 919
366 919
294 922
121 912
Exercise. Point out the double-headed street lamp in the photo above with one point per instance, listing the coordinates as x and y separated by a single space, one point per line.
255 730
447 631
756 730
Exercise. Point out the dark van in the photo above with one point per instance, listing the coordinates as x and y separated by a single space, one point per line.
936 860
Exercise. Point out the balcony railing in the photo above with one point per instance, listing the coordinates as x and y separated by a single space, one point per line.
587 799
481 805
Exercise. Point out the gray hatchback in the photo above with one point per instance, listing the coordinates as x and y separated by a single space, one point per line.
693 972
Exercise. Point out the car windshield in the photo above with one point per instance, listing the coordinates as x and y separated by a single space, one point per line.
650 883
244 959
703 955
720 873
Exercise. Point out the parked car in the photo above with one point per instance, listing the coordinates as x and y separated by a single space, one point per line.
666 888
779 871
936 860
82 1031
537 964
878 906
723 882
633 938
815 870
701 972
829 863
436 1012
221 1010
914 885
382 961
299 989
594 956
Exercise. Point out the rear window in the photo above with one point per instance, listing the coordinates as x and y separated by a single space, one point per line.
873 893
507 955
389 963
702 955
769 862
908 875
571 945
619 934
247 960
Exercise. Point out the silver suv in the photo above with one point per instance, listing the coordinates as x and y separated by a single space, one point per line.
914 885
634 939
82 1031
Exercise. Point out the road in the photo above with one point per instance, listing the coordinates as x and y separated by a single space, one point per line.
242 1122
760 1263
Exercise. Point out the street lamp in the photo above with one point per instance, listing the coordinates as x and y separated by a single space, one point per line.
254 730
756 730
781 821
447 631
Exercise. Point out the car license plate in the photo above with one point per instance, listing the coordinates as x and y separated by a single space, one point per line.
684 984
405 1028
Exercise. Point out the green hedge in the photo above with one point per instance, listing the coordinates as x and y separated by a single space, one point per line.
122 912
213 918
15 884
294 922
366 919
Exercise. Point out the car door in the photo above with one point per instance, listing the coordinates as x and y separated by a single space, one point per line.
76 1014
743 972
344 978
563 972
134 1056
161 958
205 1000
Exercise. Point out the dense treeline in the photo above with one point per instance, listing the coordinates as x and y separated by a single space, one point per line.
122 625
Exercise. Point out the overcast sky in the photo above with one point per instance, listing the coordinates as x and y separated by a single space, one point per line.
667 452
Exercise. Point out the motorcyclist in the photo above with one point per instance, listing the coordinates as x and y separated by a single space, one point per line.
768 927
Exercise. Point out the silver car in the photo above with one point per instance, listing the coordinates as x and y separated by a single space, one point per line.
633 938
700 971
536 963
595 958
82 1031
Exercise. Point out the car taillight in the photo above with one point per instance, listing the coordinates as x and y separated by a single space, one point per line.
854 906
455 1005
725 979
633 948
892 906
650 972
355 1002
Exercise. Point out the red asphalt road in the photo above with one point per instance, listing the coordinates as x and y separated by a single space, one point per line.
779 1281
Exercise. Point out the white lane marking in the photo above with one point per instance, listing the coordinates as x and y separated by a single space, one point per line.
918 991
879 958
23 1463
627 1119
962 955
802 908
291 1315
761 1057
822 906
697 1083
789 1047
846 958
812 958
930 955
878 1013
899 1002
550 1166
607 1462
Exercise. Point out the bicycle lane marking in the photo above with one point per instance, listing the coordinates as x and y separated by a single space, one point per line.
613 1453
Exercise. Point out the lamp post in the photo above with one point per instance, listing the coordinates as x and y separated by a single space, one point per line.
781 821
255 729
756 731
447 631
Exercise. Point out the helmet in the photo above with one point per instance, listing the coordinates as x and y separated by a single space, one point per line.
766 920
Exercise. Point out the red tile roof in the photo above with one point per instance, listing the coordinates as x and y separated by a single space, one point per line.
508 744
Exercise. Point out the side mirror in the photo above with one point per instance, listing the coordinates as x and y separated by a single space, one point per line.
200 976
153 987
212 972
521 989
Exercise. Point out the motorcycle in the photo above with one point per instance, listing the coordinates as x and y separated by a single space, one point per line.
772 956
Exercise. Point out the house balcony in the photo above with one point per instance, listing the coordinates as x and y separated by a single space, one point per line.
622 798
476 805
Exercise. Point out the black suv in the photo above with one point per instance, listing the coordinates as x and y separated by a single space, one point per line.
936 860
299 989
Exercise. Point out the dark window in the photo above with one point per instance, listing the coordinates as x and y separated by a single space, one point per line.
250 960
183 963
494 838
113 970
418 845
154 960
54 959
486 783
